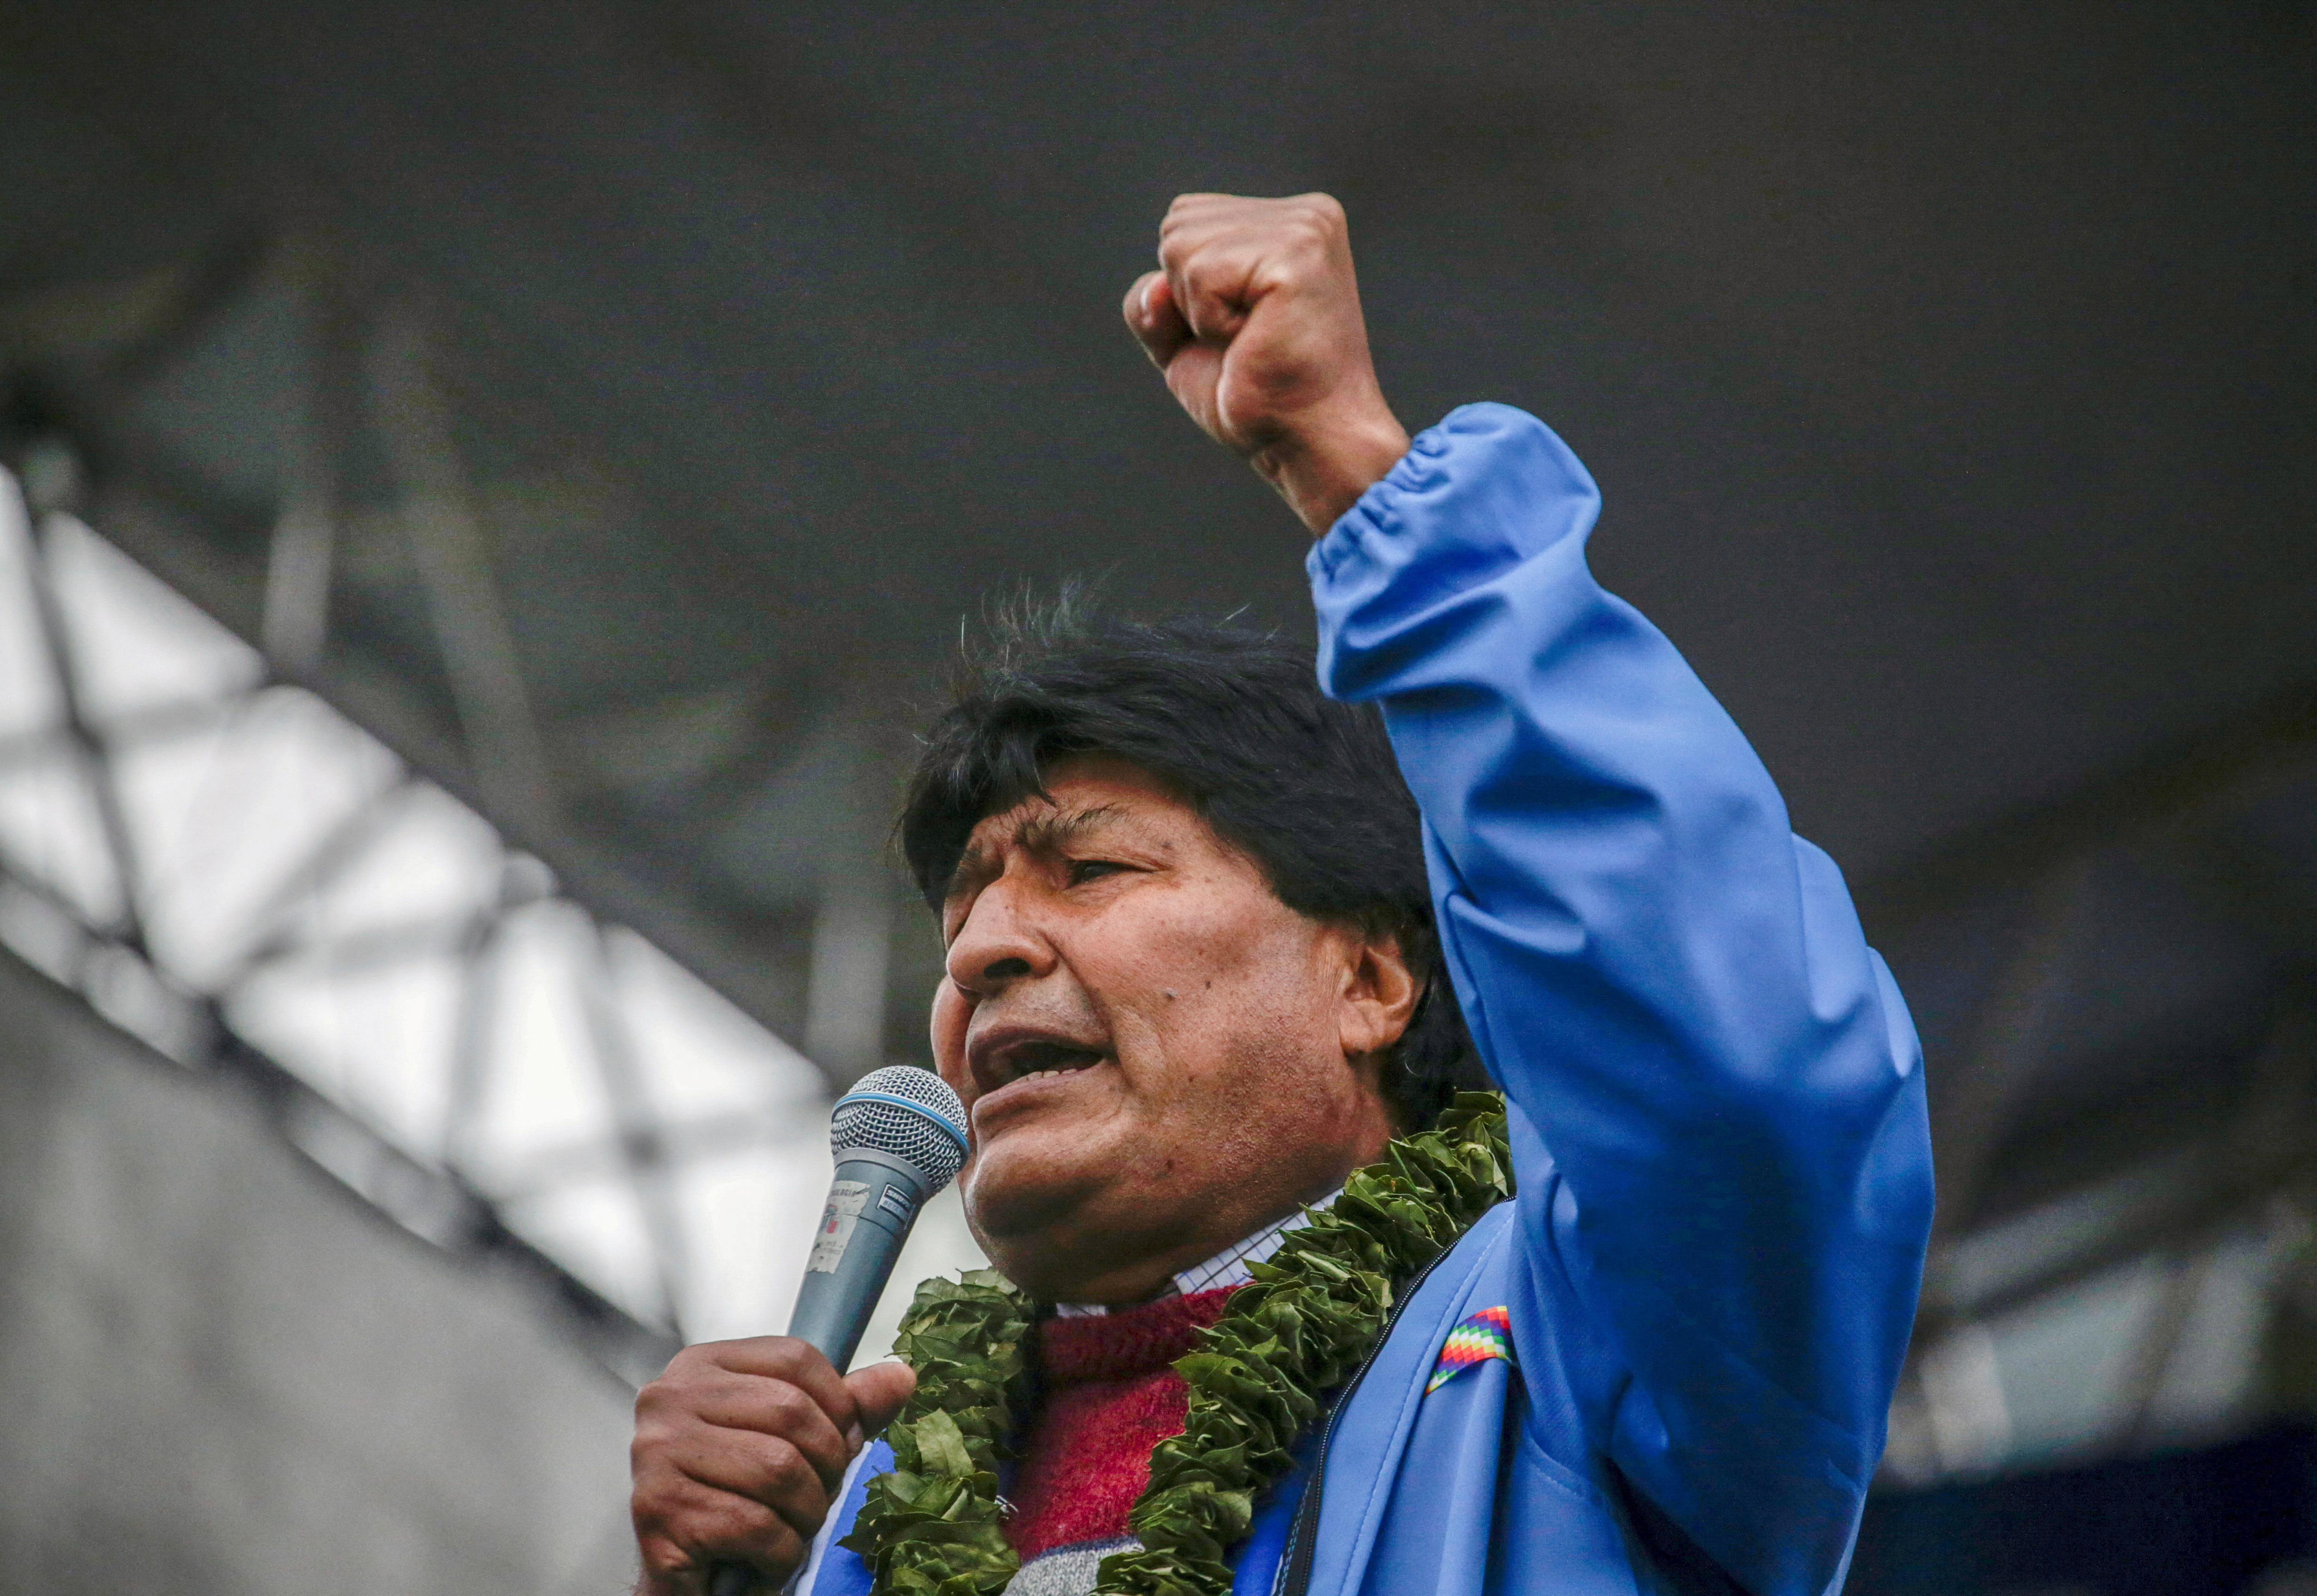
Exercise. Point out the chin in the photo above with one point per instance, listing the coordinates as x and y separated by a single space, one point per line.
1022 1190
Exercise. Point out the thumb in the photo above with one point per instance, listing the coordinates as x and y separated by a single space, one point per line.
879 1391
1154 319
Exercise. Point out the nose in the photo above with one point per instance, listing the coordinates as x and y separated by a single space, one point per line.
997 945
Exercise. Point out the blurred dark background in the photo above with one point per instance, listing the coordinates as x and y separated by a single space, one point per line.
612 407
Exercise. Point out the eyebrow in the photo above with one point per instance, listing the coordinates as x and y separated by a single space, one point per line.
1042 835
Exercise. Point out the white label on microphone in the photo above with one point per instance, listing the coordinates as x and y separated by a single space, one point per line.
847 1198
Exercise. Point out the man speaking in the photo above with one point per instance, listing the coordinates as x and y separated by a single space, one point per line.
1281 1309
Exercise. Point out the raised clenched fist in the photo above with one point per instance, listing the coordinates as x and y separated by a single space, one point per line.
1254 316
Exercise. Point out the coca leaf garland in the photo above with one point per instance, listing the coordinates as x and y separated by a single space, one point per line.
932 1527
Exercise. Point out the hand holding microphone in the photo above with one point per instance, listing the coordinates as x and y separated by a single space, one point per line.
741 1446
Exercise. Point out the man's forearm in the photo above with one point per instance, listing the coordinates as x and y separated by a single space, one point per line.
1321 470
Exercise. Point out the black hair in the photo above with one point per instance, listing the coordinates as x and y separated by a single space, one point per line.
1233 723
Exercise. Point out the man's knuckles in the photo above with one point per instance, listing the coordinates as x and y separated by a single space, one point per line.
782 1472
682 1522
678 1557
795 1407
1313 221
782 1357
1218 287
760 1402
665 1425
715 1395
756 1464
691 1521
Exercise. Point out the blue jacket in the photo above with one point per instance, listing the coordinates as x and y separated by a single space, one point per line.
1716 1097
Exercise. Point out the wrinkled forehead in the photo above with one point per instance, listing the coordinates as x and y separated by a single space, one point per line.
1073 788
1040 823
1086 797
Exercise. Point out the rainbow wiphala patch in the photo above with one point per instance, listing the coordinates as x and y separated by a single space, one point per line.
1486 1334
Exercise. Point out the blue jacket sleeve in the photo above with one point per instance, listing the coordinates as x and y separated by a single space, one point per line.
1717 1091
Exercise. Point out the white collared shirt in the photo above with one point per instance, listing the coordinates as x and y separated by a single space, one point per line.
1233 1266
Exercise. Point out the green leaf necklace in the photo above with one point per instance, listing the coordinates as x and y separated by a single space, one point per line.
932 1527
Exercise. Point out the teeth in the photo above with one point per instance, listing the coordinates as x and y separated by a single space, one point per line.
1045 1069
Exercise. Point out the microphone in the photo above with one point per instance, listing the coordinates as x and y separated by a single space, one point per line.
899 1137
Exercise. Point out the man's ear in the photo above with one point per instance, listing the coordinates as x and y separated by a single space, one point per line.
1379 996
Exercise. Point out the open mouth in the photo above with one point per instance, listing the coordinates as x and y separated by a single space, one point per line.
1002 1061
1025 1060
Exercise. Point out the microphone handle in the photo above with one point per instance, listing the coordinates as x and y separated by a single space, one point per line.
872 1204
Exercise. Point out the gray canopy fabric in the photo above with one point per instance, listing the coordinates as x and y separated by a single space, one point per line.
616 406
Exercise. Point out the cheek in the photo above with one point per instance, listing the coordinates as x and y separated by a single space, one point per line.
951 1012
1249 1011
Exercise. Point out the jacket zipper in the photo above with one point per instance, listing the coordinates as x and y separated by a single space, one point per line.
1294 1577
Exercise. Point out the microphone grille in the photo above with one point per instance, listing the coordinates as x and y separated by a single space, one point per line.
906 1112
